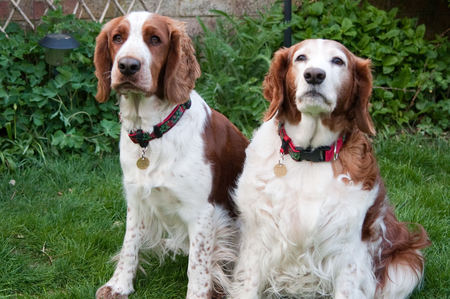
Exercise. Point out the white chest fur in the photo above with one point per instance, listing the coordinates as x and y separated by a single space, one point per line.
172 157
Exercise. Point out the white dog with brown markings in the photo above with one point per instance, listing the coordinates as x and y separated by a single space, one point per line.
179 157
316 221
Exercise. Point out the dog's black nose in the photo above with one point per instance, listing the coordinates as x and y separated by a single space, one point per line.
314 75
129 66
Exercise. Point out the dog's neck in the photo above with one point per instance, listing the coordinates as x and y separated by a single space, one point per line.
141 112
310 132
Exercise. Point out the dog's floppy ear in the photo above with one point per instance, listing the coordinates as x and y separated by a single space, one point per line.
182 68
103 63
273 85
363 78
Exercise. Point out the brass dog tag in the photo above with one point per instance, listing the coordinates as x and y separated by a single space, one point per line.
142 163
279 170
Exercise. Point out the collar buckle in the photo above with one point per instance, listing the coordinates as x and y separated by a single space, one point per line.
335 153
157 131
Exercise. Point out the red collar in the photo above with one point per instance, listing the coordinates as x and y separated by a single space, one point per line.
143 138
318 154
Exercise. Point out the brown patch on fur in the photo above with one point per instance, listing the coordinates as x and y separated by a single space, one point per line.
352 109
106 292
399 245
158 26
225 150
358 160
279 88
363 82
182 68
217 295
103 58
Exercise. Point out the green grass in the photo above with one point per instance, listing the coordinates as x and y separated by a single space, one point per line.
61 222
417 176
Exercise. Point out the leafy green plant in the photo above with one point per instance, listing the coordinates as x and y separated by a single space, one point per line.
410 73
46 108
234 58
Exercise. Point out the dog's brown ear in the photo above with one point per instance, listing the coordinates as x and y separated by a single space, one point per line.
182 68
274 82
363 77
103 64
103 60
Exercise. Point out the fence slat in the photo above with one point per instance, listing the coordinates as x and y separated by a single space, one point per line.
119 7
17 7
80 7
50 3
105 10
87 10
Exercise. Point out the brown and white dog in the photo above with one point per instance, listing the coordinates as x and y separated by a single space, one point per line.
316 221
177 174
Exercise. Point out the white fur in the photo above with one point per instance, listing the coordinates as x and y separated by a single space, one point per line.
402 281
167 203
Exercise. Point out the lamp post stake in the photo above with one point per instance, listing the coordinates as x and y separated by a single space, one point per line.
287 19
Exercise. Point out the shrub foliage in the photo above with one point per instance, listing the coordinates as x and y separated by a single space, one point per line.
53 110
44 108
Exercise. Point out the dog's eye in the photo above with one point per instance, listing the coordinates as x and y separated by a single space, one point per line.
300 58
155 40
337 61
117 39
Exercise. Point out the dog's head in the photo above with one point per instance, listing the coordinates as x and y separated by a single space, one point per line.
148 54
323 78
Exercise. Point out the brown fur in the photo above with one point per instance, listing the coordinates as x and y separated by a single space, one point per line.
278 91
403 243
103 59
356 158
182 68
225 150
363 81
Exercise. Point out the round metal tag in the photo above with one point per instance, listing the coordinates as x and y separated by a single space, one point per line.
279 170
142 163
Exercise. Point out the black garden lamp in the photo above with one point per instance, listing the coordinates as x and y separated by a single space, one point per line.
57 46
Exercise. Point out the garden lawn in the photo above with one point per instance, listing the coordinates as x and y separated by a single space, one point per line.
60 223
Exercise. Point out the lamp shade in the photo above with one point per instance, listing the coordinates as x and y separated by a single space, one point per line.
57 45
59 41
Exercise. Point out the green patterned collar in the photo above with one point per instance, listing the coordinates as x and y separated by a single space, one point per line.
143 138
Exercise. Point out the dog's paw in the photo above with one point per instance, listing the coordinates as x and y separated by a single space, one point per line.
106 292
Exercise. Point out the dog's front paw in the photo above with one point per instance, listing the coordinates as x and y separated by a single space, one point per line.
107 292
